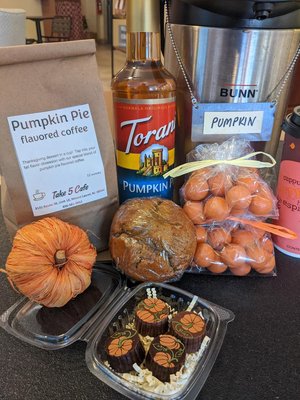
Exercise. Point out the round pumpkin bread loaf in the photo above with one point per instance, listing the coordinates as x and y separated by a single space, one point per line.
152 240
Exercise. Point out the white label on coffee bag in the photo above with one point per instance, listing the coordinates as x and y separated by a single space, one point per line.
59 158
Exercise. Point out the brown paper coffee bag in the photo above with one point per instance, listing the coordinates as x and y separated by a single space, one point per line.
56 148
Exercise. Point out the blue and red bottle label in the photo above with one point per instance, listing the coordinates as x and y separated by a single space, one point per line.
145 142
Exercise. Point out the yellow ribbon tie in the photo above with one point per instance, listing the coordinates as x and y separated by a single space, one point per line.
238 162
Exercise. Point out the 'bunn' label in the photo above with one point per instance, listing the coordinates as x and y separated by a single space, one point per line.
145 140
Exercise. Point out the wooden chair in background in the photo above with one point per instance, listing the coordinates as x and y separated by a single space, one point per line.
60 29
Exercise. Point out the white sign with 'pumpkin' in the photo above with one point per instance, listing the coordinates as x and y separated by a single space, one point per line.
59 157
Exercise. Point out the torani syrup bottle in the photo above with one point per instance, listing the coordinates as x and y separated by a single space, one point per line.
288 187
144 107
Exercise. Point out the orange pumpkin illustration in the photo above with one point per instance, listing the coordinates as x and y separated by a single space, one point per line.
162 316
145 315
192 323
164 359
169 341
120 346
155 305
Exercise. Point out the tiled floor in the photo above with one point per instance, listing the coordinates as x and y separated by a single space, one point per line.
103 56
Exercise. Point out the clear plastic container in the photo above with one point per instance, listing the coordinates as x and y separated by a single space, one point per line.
105 306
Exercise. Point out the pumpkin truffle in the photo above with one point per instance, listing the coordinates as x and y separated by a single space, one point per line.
123 349
166 356
190 328
151 317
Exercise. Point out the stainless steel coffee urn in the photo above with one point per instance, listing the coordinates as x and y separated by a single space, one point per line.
237 52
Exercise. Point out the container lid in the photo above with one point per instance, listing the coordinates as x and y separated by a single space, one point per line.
139 384
104 309
54 328
259 14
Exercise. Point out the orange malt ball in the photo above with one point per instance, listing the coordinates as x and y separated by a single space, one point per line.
261 205
204 255
258 233
194 210
260 259
217 267
251 183
233 255
219 184
238 197
216 208
242 270
237 211
217 238
257 256
234 228
268 267
267 244
243 238
264 189
201 234
196 188
202 172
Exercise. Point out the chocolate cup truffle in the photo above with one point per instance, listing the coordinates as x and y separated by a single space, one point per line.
166 356
189 328
151 317
123 349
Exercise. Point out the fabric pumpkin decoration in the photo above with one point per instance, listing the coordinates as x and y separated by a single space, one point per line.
50 262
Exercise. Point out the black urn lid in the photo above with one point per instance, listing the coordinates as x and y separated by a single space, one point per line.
259 14
291 125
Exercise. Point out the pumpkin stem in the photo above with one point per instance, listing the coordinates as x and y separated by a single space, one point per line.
60 258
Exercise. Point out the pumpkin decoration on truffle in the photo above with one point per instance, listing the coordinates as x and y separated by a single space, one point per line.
164 359
50 262
170 342
120 346
155 305
192 323
145 315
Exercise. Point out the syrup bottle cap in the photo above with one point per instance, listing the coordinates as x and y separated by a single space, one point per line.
291 124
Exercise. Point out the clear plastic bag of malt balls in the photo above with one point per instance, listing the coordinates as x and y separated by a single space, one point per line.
214 193
233 248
